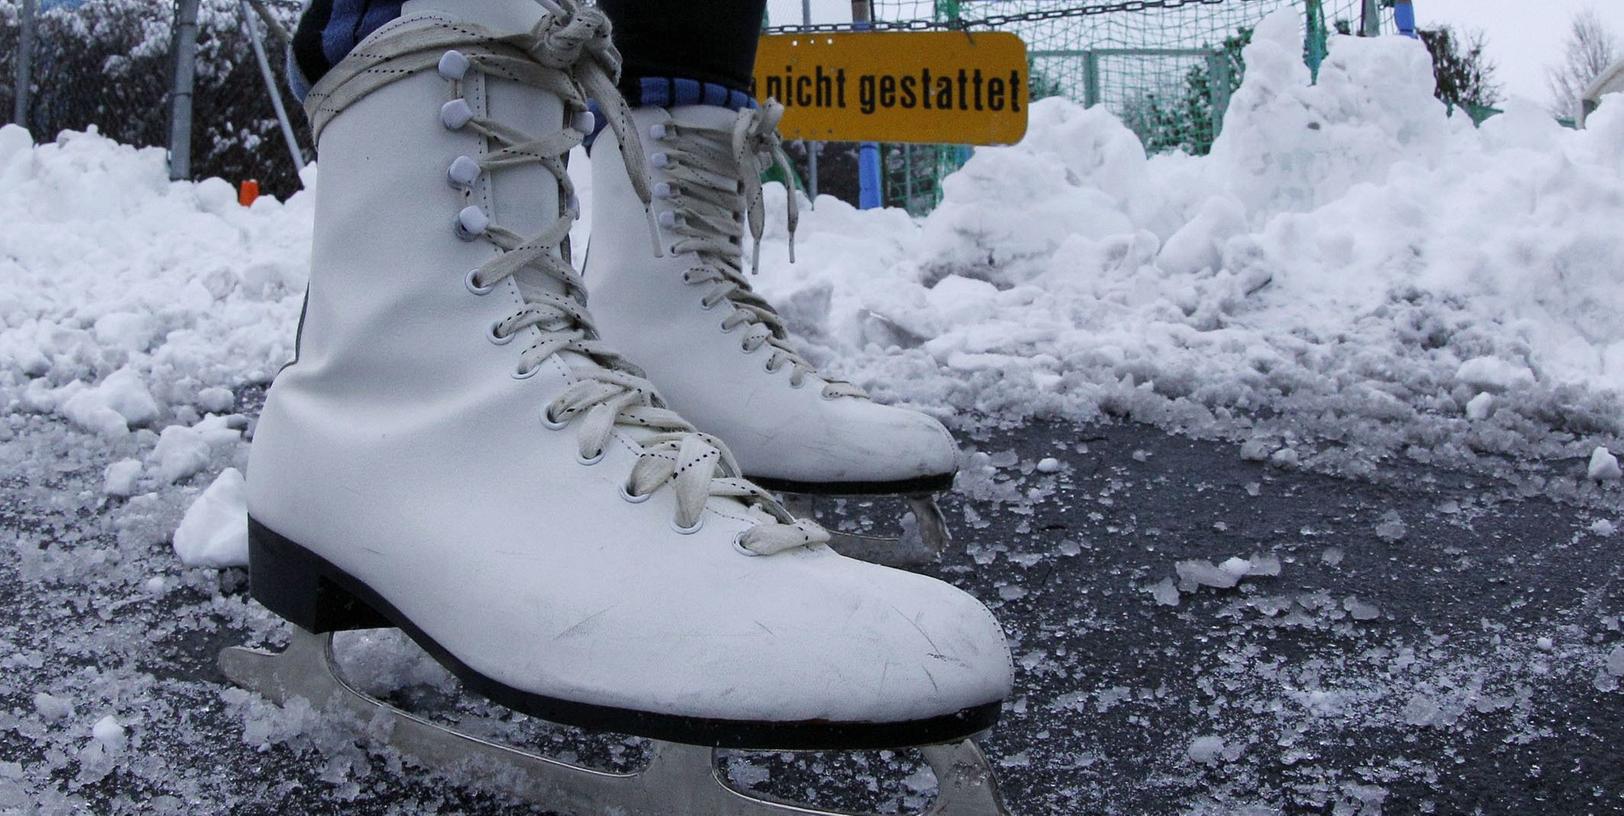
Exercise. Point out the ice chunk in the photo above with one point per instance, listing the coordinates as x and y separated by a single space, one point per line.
1603 528
1422 710
183 451
1604 465
1164 592
1493 373
120 477
214 532
1048 464
1360 610
1392 527
1480 406
1615 661
180 453
1256 450
1207 750
109 732
216 400
1263 565
52 709
1201 572
1237 567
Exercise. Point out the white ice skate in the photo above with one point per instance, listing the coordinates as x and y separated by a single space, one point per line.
455 453
719 353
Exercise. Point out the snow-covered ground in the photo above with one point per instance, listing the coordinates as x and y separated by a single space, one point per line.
1349 257
1351 276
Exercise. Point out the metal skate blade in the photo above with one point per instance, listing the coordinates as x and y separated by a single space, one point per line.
921 543
679 780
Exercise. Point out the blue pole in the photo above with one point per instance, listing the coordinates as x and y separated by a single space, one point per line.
1404 18
869 183
868 176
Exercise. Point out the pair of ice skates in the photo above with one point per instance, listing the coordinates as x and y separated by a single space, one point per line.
456 452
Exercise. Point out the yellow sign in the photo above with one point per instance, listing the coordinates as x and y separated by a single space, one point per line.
942 87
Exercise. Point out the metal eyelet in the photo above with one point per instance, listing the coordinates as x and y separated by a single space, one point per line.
492 335
632 498
469 281
738 547
698 523
592 460
551 424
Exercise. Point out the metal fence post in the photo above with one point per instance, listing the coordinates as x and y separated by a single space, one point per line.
869 183
1091 79
252 34
1371 19
811 147
180 116
1218 70
24 65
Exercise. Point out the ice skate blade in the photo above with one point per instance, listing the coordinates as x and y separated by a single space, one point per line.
915 548
679 780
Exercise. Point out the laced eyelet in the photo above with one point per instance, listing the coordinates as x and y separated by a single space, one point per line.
470 223
745 347
453 65
726 329
494 335
828 396
594 459
470 281
801 383
738 547
706 304
632 498
698 523
462 173
455 114
525 374
551 424
770 368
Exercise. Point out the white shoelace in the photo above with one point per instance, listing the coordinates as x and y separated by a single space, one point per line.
715 188
568 54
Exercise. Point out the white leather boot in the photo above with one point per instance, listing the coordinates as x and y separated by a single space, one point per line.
716 350
455 453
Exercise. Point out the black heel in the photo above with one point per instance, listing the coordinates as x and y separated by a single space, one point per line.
302 587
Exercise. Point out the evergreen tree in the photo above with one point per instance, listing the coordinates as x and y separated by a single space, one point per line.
1465 74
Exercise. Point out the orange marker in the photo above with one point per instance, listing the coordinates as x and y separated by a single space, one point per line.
248 192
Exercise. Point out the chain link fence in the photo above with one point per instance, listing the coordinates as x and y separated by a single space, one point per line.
110 65
1165 67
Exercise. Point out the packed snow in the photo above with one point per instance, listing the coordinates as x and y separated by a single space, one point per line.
1314 290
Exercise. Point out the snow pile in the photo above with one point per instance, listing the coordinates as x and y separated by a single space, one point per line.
1348 255
134 308
130 301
